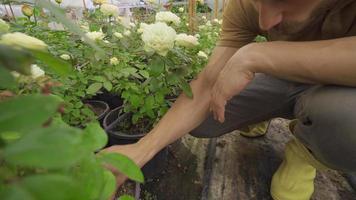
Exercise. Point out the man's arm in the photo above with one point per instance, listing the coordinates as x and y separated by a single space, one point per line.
184 115
322 62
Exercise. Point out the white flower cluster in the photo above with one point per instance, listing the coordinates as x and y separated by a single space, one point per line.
202 54
186 40
22 40
167 17
4 27
118 35
114 61
95 35
158 37
65 56
127 33
109 9
36 71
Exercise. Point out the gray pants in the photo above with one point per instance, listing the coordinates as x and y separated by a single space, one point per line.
326 116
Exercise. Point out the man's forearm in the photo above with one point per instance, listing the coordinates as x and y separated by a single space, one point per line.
186 113
324 62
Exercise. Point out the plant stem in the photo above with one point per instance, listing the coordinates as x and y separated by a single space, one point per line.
12 12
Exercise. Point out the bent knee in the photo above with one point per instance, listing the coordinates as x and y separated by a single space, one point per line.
327 125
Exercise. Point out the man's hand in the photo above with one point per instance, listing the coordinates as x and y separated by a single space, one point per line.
233 78
134 152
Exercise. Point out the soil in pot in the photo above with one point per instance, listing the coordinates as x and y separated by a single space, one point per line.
141 127
100 108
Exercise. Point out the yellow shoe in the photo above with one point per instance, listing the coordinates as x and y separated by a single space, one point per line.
255 130
294 179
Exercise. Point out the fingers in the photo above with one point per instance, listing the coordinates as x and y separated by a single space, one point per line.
217 106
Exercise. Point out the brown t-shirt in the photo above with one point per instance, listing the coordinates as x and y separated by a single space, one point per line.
240 24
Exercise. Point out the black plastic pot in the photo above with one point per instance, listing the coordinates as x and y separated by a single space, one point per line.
113 100
101 105
116 137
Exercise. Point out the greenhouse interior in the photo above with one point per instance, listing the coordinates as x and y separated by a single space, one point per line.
177 100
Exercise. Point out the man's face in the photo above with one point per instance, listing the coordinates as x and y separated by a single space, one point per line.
285 17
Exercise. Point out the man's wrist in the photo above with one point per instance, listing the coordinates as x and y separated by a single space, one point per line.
254 57
148 146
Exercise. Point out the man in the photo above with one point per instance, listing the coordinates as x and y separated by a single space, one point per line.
307 71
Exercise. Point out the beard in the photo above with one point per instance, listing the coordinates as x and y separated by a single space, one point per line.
292 29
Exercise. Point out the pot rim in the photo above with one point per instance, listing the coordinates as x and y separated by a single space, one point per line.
105 112
119 134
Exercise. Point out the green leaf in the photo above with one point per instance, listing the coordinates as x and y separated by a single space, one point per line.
26 112
52 186
109 184
94 88
99 78
52 148
135 100
15 192
126 197
108 86
59 66
6 79
10 136
94 136
15 59
91 172
186 89
124 164
156 66
144 73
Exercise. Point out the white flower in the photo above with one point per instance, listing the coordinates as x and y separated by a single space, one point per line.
216 21
181 9
85 28
158 37
140 30
4 27
131 24
197 35
114 61
95 35
168 17
23 40
36 71
15 74
142 27
187 24
65 56
127 33
202 54
186 40
109 9
106 41
208 23
203 17
119 18
220 21
118 35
